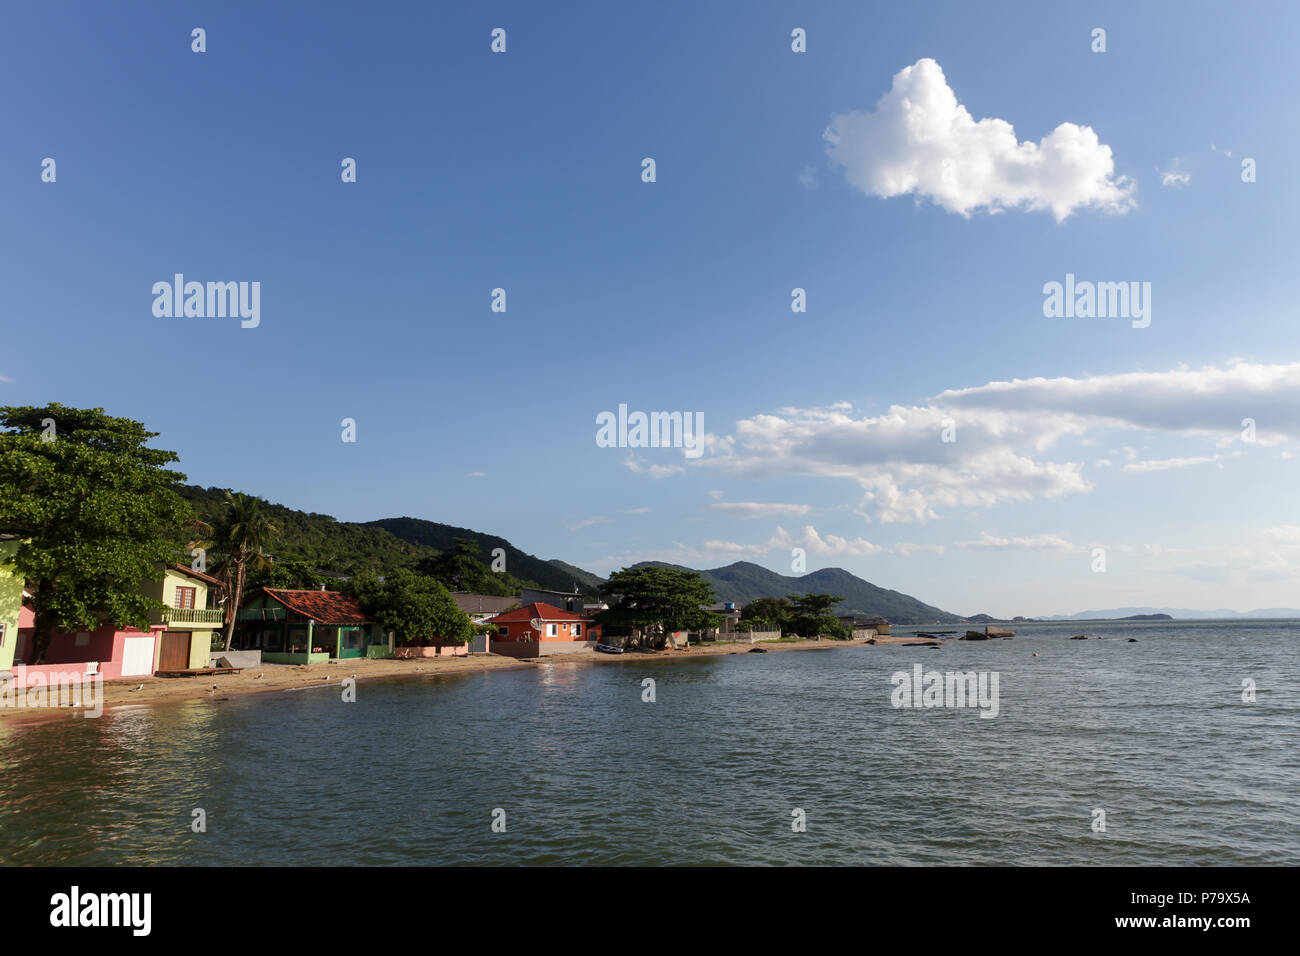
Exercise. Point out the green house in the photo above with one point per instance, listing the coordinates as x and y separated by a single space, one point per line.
308 627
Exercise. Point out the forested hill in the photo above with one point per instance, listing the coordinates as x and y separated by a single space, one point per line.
743 581
342 548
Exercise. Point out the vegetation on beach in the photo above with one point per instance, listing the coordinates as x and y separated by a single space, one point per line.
96 512
656 601
807 615
415 607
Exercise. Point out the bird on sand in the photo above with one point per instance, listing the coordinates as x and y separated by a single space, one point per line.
134 689
258 677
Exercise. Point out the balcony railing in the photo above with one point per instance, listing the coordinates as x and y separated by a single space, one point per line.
191 615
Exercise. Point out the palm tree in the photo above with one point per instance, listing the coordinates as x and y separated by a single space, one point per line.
244 535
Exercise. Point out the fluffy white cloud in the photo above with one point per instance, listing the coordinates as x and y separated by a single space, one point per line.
757 509
1284 533
1174 177
1041 542
1208 401
1004 435
1164 464
921 140
815 543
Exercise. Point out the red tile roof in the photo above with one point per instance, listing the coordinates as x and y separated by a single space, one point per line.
185 569
323 607
547 612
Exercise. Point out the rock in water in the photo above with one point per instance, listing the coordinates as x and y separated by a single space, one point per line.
974 636
998 632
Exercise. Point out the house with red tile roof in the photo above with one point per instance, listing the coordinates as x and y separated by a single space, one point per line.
292 626
538 629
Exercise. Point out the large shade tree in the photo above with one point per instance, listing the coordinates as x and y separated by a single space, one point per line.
96 511
416 608
657 601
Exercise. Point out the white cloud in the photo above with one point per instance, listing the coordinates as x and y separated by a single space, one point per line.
636 511
757 509
1042 542
1174 177
907 548
588 522
1006 433
1164 464
654 471
476 474
921 140
1284 533
815 543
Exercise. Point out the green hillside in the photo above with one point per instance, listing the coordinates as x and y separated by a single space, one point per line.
743 581
555 575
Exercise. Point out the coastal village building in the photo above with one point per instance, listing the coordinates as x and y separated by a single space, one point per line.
556 631
179 637
480 607
309 627
11 604
571 601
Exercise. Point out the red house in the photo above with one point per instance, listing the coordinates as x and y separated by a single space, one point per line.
538 629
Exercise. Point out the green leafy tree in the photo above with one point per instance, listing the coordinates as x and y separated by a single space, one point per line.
810 615
767 614
97 512
460 569
658 601
288 574
414 607
243 535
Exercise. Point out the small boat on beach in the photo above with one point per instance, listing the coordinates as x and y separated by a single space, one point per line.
609 649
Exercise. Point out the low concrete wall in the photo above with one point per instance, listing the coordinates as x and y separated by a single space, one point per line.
446 650
515 648
865 634
564 647
236 658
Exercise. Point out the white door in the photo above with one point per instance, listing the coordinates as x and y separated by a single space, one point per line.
137 657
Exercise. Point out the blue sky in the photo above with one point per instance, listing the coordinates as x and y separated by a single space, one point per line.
522 170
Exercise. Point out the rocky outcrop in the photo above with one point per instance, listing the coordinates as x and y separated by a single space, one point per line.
998 632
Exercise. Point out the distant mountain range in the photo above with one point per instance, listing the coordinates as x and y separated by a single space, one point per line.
743 581
343 548
1178 613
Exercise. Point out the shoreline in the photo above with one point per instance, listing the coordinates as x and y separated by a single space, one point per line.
287 677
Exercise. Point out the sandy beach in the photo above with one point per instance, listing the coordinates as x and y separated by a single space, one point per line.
282 677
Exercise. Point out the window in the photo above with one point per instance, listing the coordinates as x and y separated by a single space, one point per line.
83 639
184 598
503 631
552 630
577 630
2 634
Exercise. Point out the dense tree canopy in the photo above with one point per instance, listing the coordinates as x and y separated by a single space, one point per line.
460 569
658 600
97 512
416 608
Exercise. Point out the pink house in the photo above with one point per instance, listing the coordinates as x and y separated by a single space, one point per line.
180 640
111 652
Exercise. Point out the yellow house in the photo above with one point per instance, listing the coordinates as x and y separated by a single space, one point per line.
11 603
189 619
